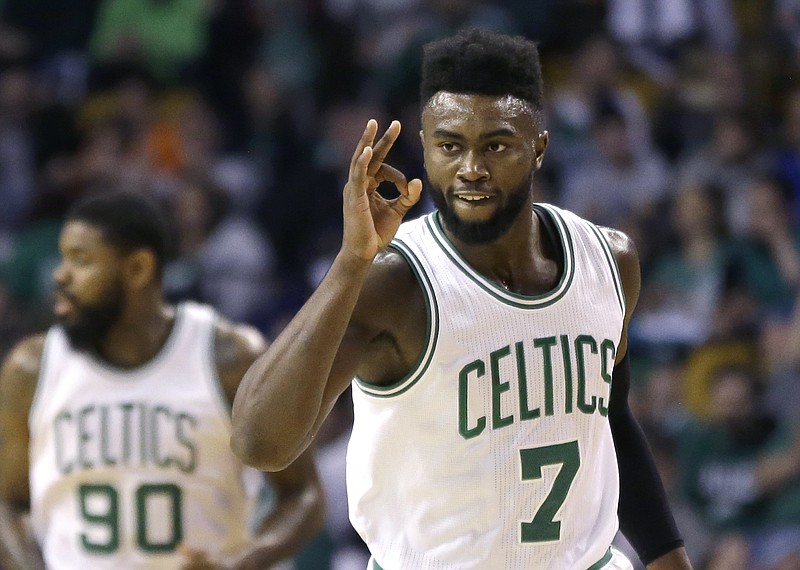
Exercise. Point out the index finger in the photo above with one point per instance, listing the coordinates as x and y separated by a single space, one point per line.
381 148
366 140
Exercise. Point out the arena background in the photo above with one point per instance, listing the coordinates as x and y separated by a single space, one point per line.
677 121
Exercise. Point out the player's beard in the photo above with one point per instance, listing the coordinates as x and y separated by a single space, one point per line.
91 324
475 233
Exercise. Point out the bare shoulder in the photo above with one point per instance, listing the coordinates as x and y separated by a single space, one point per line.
390 276
25 359
627 256
236 347
235 342
21 367
18 380
390 284
390 319
622 245
390 267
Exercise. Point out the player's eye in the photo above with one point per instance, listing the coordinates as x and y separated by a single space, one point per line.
496 147
77 259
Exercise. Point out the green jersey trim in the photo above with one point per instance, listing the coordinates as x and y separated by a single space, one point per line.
216 385
44 363
431 331
495 290
603 561
612 262
596 566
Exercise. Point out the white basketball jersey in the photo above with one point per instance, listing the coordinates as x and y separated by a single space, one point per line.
126 465
495 452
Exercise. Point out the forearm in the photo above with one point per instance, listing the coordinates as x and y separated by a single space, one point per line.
17 550
294 522
644 513
282 396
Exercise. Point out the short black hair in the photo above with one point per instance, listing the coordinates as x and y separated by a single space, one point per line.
127 220
482 62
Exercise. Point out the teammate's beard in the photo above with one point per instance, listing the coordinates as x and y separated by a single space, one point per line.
87 330
482 232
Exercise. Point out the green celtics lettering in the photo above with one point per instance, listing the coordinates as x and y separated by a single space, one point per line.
565 366
132 434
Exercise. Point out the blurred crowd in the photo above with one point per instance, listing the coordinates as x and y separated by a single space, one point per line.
675 121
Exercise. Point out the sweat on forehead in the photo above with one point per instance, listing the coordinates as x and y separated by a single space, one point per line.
505 105
445 107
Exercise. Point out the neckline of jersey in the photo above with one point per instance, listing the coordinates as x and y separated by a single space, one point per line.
518 300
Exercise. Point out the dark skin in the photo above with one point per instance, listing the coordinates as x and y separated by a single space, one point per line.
477 149
88 266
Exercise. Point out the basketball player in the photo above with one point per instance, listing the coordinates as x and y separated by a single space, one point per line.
484 339
115 425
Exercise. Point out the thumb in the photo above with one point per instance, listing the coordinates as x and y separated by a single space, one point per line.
410 197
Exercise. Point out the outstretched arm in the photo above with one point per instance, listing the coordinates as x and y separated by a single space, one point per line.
288 392
644 513
17 386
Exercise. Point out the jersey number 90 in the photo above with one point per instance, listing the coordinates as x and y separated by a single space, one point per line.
100 507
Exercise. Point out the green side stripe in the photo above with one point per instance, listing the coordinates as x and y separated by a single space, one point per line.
47 350
596 566
612 262
603 561
431 331
217 386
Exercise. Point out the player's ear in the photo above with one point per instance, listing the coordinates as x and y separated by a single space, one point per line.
140 268
541 145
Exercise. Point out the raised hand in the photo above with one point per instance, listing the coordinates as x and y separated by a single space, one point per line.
370 220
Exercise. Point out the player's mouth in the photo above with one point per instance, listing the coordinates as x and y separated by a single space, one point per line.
63 305
474 198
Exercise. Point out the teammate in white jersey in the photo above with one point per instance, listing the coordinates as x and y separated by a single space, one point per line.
115 425
484 340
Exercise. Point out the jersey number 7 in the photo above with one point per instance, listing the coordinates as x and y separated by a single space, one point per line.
543 527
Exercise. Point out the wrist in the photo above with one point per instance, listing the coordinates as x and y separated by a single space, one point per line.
352 264
676 559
